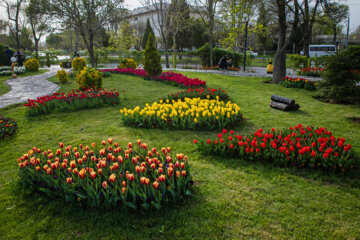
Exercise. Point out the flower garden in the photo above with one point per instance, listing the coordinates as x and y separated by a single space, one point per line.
243 182
289 82
8 127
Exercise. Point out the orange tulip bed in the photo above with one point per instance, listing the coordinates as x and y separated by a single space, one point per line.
134 177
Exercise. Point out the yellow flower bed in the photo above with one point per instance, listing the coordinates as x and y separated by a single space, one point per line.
192 113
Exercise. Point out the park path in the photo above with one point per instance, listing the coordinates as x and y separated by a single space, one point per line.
24 88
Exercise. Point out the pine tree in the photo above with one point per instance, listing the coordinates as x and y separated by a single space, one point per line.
152 64
145 37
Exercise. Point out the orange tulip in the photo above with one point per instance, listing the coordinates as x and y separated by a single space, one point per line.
93 175
123 190
104 184
137 169
131 177
110 140
99 171
142 180
124 183
69 180
177 173
48 171
183 173
112 178
155 185
73 164
147 181
38 168
170 171
82 173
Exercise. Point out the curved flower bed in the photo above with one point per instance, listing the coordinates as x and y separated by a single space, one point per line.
8 126
135 176
168 77
289 82
203 93
302 147
192 113
72 101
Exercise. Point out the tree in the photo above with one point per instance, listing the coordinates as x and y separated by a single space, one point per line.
307 19
88 17
152 64
13 10
264 37
337 13
177 21
38 20
280 56
145 37
161 8
207 10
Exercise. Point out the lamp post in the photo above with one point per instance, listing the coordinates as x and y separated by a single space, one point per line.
246 20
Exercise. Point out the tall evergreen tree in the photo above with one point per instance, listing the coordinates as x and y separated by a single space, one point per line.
145 37
152 64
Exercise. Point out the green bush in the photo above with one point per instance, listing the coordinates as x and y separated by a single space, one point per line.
218 53
89 78
128 63
339 83
78 64
145 37
62 76
152 64
32 65
298 61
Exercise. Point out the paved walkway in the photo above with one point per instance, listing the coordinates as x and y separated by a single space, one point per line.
24 88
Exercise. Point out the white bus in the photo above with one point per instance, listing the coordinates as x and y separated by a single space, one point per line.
321 50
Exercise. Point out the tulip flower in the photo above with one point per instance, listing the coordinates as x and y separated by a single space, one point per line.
104 184
155 185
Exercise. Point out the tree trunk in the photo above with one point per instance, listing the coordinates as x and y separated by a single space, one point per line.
166 55
174 50
36 45
280 56
211 30
90 48
335 34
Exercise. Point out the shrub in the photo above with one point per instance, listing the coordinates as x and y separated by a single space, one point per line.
299 61
72 101
62 76
78 64
192 113
3 57
218 53
134 177
203 93
289 82
8 126
152 64
32 65
339 83
128 63
89 78
302 147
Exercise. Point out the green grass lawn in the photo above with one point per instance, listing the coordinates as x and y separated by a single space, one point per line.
233 199
4 88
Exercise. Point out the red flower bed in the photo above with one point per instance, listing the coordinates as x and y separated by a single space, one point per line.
72 101
302 147
311 71
170 77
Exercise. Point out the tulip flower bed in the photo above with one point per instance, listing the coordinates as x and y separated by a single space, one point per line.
309 147
289 82
311 72
108 176
166 77
8 126
203 93
72 101
192 113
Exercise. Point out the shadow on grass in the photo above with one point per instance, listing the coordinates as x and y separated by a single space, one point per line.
266 169
300 112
